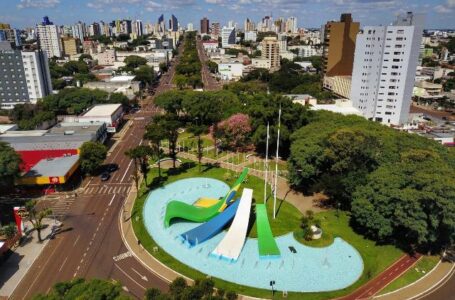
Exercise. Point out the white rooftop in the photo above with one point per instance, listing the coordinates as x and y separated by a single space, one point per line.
122 78
102 110
7 127
341 106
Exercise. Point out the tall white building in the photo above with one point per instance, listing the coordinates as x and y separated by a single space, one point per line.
385 63
49 40
137 28
227 37
37 75
190 27
291 25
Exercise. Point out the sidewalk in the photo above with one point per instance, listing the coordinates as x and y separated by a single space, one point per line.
442 271
22 258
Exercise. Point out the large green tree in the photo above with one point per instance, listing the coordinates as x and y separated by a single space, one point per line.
411 202
134 61
36 216
140 155
155 133
9 165
92 155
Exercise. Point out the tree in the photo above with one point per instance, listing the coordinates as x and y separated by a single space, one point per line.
139 155
234 132
8 231
170 124
171 102
80 288
163 67
152 294
85 56
145 75
9 165
36 216
92 155
155 133
134 61
177 287
411 202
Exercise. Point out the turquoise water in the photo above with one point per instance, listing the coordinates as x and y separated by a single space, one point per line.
309 270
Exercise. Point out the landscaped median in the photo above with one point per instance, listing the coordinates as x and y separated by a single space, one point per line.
334 224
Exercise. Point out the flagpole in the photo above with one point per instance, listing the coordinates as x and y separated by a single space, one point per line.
276 162
266 166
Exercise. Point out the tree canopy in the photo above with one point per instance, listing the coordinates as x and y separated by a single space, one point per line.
9 165
92 156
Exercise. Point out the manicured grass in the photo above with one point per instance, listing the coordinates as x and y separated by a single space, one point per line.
422 267
376 258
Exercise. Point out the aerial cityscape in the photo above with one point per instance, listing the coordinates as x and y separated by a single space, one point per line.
239 149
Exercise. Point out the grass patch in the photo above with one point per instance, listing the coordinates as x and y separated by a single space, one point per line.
424 265
238 158
288 220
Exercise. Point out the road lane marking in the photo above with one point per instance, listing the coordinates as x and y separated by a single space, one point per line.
42 269
63 264
75 242
143 277
132 279
126 171
110 203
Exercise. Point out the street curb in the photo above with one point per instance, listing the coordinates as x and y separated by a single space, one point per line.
447 276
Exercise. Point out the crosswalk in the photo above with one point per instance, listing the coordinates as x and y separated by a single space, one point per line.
61 207
107 189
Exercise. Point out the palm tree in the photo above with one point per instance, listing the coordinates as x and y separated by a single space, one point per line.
36 217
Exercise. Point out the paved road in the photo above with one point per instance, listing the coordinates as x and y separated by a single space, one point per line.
210 83
444 291
90 245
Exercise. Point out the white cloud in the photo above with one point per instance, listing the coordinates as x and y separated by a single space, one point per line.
446 8
37 3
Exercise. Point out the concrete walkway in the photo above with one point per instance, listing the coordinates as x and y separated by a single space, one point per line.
21 259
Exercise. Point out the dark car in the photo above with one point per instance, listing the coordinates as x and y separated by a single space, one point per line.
111 168
105 176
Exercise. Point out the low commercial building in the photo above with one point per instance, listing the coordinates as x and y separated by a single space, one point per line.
340 85
231 70
306 50
124 84
341 106
106 58
109 114
261 63
51 171
210 45
424 90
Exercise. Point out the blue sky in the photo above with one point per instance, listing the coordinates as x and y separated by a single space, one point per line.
23 13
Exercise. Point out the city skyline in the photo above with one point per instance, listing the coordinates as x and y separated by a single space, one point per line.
27 13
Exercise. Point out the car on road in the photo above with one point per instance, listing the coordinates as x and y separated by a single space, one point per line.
111 168
105 176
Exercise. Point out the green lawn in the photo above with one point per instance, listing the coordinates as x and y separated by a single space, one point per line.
422 267
259 165
288 220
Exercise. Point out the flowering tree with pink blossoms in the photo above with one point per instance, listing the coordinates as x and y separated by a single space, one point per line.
234 132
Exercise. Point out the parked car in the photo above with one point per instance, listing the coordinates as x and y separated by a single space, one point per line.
105 176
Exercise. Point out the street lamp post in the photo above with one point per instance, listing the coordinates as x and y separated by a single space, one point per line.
272 282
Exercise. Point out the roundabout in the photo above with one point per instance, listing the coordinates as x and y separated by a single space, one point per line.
298 268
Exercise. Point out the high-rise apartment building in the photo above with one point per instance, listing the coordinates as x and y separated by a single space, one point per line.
70 46
137 28
249 25
215 29
173 24
161 24
291 25
94 29
339 46
11 35
271 51
190 27
49 38
227 37
79 31
205 25
25 77
385 63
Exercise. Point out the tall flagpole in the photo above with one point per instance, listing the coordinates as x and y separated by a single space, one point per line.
266 165
276 162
